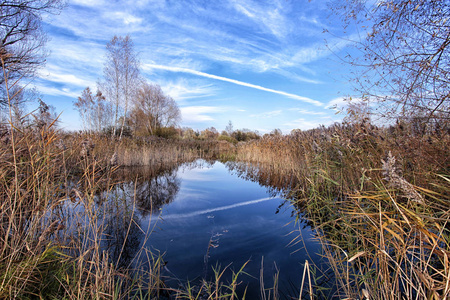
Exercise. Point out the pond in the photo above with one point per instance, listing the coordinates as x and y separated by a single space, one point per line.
207 214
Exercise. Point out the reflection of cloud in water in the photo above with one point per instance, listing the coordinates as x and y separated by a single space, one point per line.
194 193
207 211
199 175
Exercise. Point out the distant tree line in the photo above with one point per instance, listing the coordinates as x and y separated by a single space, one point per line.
229 134
211 133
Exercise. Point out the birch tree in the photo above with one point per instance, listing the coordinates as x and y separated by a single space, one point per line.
94 110
121 77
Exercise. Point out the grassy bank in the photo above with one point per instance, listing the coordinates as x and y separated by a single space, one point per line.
51 231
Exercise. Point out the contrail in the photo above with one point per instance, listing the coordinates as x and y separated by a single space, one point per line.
254 86
207 211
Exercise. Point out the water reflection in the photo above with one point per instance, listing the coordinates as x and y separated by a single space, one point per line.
151 190
276 180
216 209
122 233
205 201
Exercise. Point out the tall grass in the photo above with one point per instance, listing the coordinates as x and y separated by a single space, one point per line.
150 151
66 231
379 200
393 247
52 229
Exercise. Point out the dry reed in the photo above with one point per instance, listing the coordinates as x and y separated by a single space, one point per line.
378 199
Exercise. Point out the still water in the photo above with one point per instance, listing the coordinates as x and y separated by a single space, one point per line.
207 214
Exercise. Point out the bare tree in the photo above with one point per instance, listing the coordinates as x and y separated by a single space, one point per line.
131 75
94 110
84 106
17 115
45 115
229 128
121 77
405 61
22 38
154 110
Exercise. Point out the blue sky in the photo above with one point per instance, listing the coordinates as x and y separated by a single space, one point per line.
260 64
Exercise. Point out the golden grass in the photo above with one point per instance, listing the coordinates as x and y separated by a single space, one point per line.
379 200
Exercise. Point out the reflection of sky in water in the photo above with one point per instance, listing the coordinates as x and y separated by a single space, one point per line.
240 215
216 209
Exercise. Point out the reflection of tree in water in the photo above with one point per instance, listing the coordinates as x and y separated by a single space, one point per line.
140 192
155 187
277 181
122 225
151 187
152 194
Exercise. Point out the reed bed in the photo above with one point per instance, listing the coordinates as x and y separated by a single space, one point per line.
68 226
379 201
152 151
155 151
392 247
52 229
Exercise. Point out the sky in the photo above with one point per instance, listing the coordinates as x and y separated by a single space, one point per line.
259 64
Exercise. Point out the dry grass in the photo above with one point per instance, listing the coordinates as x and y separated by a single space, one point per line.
52 228
379 200
61 239
153 151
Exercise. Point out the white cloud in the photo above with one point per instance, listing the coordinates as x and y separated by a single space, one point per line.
68 79
268 114
294 76
308 112
340 103
99 21
254 86
271 19
304 124
199 113
80 54
337 102
89 3
53 91
182 89
126 18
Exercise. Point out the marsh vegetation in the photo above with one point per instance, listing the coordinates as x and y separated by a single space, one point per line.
376 199
81 212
